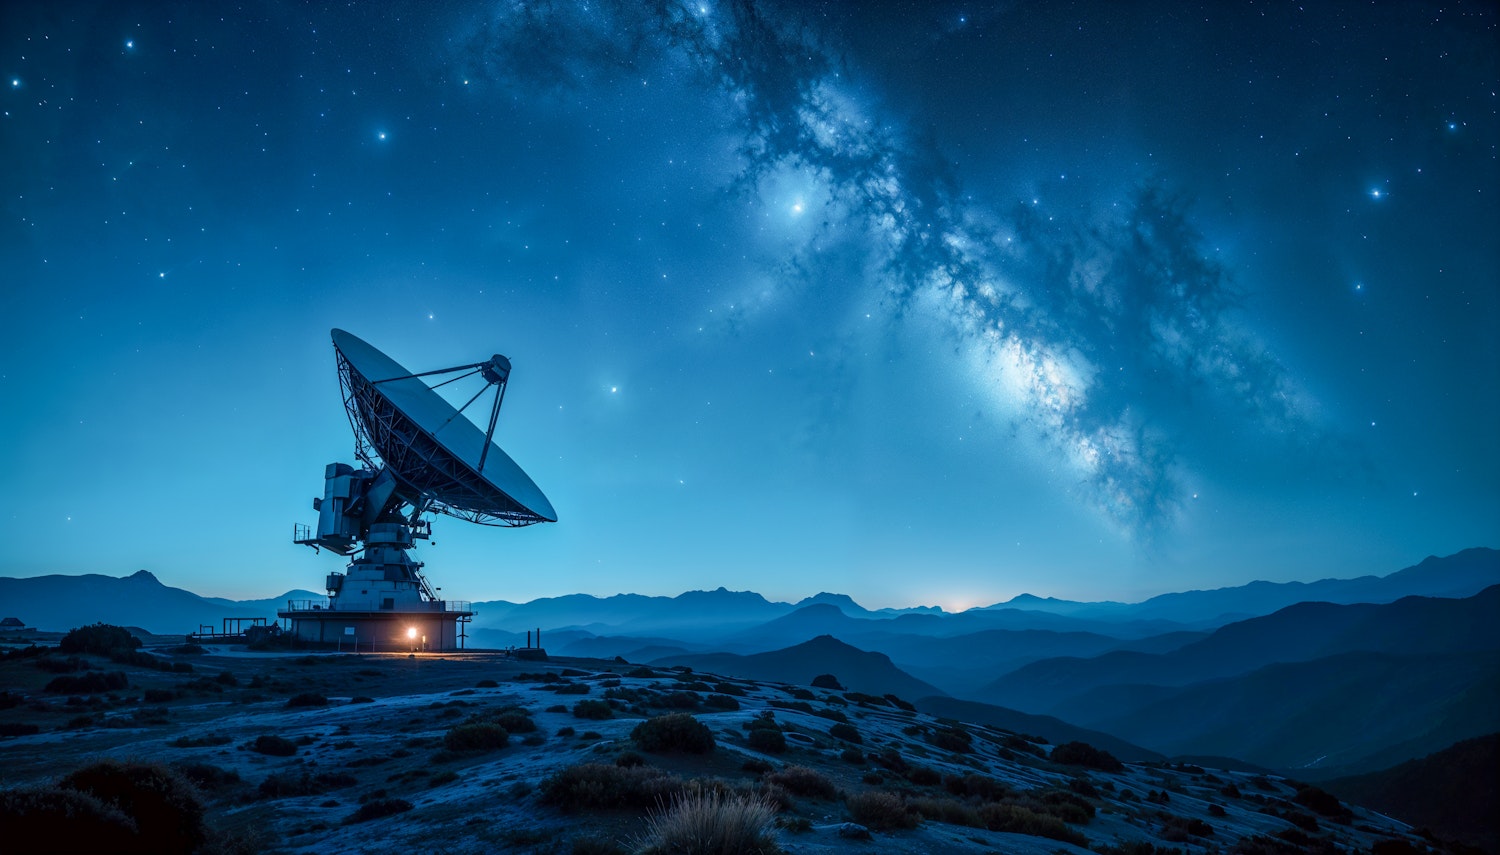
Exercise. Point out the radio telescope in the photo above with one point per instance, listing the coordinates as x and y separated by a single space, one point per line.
418 455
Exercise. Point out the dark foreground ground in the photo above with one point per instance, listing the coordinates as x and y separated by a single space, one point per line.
292 751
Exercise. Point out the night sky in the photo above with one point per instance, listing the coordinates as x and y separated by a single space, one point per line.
923 303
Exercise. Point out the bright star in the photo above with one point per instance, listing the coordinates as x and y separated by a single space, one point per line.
15 82
130 44
1376 194
797 207
614 389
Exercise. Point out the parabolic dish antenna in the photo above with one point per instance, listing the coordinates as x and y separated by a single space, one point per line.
421 455
431 449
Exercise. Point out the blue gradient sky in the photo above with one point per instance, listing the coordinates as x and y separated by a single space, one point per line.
931 303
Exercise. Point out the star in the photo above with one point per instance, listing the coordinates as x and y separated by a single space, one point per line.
15 83
380 135
130 44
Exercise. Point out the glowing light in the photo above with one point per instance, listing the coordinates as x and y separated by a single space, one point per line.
1376 194
411 633
380 135
15 83
614 389
797 207
130 44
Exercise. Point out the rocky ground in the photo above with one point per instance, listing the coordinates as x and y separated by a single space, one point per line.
373 729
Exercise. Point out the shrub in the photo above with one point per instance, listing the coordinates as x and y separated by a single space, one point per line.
846 732
679 700
900 704
853 755
827 681
377 808
207 776
600 786
19 728
514 719
721 702
924 776
1015 819
802 781
629 758
68 820
1320 801
729 689
480 736
273 745
165 806
1084 754
54 665
566 731
953 739
768 740
159 696
945 810
674 732
100 638
486 684
89 683
572 688
712 823
307 699
879 810
976 786
593 709
642 673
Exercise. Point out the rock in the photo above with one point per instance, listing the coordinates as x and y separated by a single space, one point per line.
854 831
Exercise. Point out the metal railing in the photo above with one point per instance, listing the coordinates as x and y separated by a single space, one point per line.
429 606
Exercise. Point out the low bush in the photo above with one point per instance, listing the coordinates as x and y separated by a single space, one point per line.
946 810
674 732
679 700
712 823
729 689
721 702
288 784
272 745
165 806
100 638
159 696
593 786
846 732
207 776
486 684
89 683
19 728
593 709
952 739
853 755
1084 754
768 740
57 665
924 776
900 704
802 781
1015 819
377 808
480 736
879 810
67 820
629 758
975 786
827 681
1321 801
307 699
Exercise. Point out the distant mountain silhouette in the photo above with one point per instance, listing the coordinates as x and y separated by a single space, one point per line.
857 670
1352 711
1453 792
1298 633
1459 575
58 603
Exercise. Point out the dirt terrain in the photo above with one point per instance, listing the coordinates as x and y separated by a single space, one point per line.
383 735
